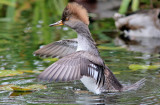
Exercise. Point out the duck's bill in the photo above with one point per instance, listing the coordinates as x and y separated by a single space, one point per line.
59 23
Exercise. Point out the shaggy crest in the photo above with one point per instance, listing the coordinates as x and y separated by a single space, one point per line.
79 11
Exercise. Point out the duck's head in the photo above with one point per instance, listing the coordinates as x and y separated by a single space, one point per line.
73 16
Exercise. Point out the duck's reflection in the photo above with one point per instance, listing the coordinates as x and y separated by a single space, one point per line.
139 44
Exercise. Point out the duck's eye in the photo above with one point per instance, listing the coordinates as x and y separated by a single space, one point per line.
66 19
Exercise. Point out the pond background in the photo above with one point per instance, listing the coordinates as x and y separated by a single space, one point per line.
24 28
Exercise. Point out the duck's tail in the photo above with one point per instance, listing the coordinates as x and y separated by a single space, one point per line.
134 86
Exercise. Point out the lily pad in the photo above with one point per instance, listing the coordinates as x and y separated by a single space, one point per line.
51 59
5 73
21 89
16 88
37 87
30 71
109 48
29 88
138 67
19 93
7 87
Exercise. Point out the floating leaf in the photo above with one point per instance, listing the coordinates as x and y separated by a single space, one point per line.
16 88
21 89
148 67
7 87
4 73
29 88
30 71
109 48
37 87
19 93
51 59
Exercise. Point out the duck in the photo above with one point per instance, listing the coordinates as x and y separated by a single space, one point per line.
143 23
80 58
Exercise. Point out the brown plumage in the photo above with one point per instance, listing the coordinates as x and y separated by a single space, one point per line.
76 10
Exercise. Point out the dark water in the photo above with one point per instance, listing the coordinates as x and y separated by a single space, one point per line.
19 41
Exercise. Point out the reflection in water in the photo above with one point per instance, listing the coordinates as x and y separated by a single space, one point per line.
97 99
19 93
139 44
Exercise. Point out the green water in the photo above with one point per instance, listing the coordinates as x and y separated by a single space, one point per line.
19 40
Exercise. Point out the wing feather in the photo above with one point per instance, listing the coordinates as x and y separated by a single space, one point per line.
111 81
44 51
52 71
55 72
44 74
73 67
60 48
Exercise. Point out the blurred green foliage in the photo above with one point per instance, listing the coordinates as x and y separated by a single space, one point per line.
51 10
134 5
38 14
41 9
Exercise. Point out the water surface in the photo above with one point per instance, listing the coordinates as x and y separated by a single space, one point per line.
18 41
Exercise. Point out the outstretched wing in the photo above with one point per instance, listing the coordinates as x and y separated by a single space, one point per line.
73 67
112 84
58 49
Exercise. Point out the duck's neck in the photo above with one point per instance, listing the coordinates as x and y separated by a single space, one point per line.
85 40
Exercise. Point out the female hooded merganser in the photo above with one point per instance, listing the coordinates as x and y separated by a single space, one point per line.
144 23
80 59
